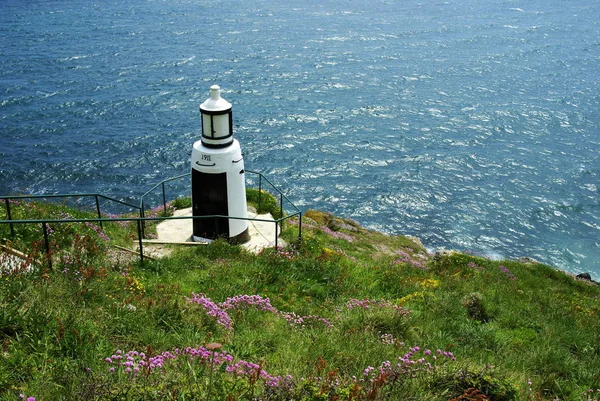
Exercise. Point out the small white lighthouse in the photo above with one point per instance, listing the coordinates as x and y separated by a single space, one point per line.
218 179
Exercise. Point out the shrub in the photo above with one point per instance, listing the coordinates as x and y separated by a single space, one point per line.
477 383
476 310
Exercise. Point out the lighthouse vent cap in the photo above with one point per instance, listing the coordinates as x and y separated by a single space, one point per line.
215 102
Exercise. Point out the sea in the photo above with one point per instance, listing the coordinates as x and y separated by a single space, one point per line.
471 124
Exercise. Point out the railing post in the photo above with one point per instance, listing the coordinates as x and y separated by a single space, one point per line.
259 190
98 210
143 222
164 198
47 244
281 210
300 228
276 236
12 227
139 227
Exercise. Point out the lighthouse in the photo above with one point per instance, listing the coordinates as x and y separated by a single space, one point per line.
218 179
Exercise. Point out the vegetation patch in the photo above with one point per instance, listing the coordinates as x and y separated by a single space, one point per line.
344 314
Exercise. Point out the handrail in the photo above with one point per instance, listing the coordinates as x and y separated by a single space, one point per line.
67 196
7 199
261 177
162 183
275 188
142 219
139 220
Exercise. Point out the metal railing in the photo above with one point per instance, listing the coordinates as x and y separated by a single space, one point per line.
140 221
96 197
259 177
44 222
142 206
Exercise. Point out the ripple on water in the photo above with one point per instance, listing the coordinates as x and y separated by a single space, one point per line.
477 134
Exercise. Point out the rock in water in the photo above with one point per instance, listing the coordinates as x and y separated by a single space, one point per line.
584 276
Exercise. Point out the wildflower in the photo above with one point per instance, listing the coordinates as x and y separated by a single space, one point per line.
507 272
249 369
368 370
302 321
249 300
287 254
368 303
337 234
404 257
388 339
430 283
219 311
98 230
414 295
134 285
212 309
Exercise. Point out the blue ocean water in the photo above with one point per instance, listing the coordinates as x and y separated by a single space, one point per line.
472 124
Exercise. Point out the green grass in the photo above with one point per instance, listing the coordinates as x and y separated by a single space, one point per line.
344 300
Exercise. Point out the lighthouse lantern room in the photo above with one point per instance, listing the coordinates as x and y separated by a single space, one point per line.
218 179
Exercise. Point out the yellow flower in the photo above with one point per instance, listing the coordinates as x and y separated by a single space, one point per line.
430 283
135 286
408 297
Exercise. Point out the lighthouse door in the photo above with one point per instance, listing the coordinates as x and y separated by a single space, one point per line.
209 197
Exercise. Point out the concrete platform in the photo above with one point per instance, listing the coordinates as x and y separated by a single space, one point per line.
12 259
262 233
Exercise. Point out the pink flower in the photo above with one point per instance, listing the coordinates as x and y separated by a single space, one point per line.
212 309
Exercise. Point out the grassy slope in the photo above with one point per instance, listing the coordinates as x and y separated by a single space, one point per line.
507 324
